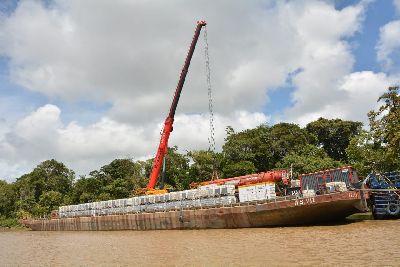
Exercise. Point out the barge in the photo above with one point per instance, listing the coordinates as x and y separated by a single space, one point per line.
286 211
252 202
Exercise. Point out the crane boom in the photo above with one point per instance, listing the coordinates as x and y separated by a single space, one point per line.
168 124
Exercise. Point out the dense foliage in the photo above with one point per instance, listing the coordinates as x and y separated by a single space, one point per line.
379 148
322 144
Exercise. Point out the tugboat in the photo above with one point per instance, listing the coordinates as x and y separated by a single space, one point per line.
385 194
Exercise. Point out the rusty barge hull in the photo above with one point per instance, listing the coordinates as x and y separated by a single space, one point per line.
303 211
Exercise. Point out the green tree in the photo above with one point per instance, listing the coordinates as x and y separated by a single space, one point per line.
239 168
368 156
264 146
120 169
309 159
286 138
177 169
334 135
249 145
385 122
86 189
141 176
49 201
119 188
117 179
203 163
48 176
7 199
379 148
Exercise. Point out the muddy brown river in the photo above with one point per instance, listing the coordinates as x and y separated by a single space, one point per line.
365 243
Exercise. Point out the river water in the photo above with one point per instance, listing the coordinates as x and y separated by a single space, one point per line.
368 243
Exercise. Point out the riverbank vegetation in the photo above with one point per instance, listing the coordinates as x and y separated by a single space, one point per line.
321 144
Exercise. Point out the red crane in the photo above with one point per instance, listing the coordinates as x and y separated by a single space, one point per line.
163 146
274 176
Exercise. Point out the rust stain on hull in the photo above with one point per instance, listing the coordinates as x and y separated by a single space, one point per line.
280 213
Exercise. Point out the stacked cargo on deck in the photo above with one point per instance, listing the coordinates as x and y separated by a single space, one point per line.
220 193
329 188
260 191
204 196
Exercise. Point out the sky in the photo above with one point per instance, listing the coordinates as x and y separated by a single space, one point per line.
86 82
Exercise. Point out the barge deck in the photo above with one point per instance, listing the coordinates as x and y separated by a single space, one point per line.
285 211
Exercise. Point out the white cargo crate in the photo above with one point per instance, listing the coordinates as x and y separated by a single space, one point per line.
129 202
330 188
309 193
208 186
295 183
202 192
152 199
231 190
192 194
261 191
174 196
182 195
252 193
136 201
339 186
243 194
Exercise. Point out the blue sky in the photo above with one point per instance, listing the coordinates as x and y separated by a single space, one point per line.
363 44
378 14
86 82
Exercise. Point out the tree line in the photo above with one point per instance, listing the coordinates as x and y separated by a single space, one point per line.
321 144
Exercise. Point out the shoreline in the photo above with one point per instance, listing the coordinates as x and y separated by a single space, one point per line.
362 216
14 229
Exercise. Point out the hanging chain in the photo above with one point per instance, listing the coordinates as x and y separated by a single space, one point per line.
211 139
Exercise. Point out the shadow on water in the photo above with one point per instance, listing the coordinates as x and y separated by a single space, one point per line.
358 217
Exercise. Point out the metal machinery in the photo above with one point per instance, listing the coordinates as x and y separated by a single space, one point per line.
317 181
262 177
168 124
385 194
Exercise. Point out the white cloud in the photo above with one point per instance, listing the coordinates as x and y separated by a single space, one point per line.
359 92
389 42
327 58
41 135
129 54
396 4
